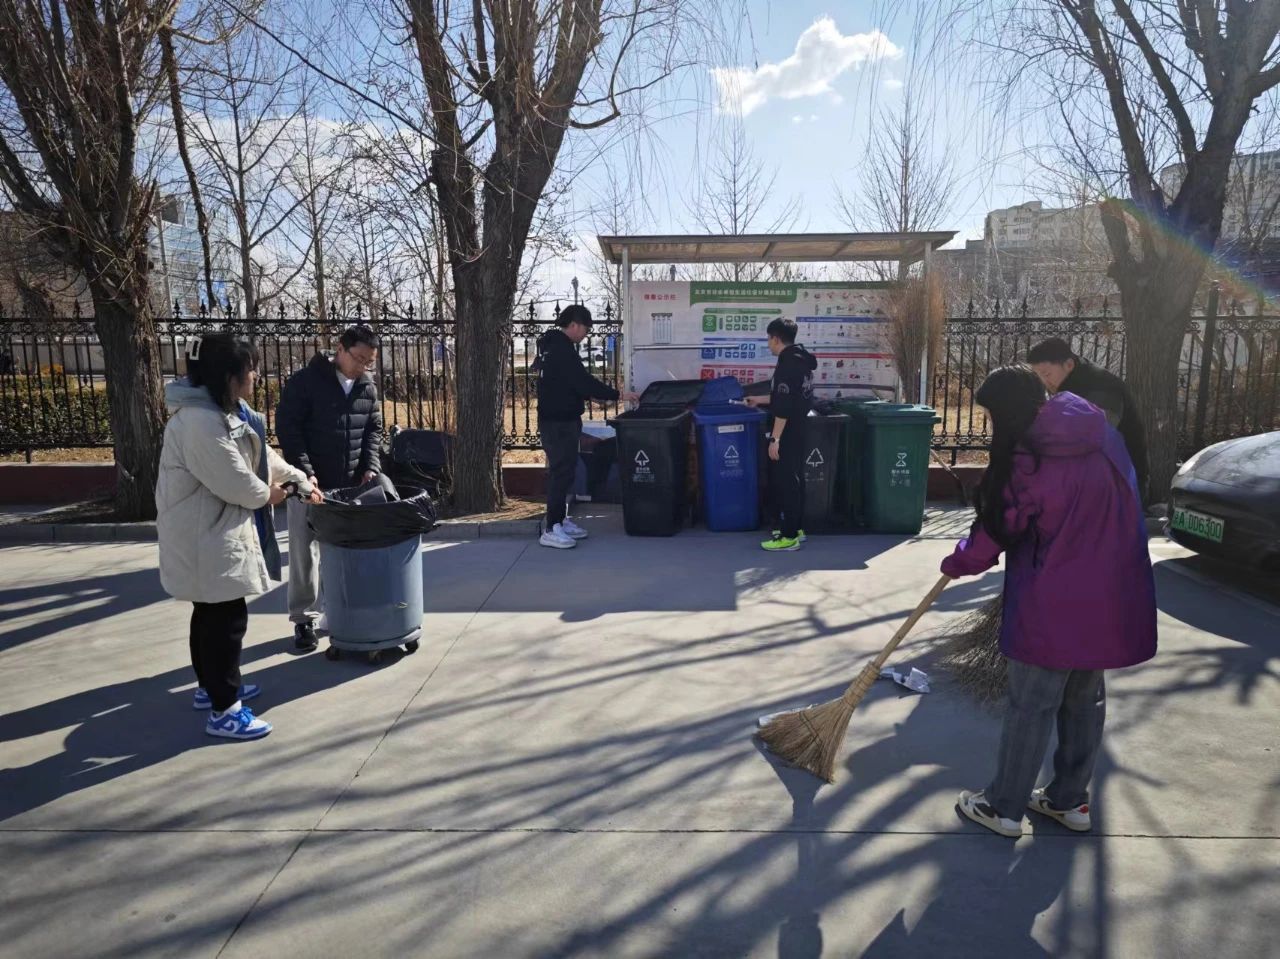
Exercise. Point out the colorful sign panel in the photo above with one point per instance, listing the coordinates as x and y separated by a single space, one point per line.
697 330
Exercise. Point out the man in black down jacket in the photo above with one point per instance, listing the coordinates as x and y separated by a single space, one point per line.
1062 371
330 426
563 385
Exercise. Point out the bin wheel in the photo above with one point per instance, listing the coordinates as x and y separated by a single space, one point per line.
332 652
375 657
411 646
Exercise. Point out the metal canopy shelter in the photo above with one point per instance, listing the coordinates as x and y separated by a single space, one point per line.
784 247
627 251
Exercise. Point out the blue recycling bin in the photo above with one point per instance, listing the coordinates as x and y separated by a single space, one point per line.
729 454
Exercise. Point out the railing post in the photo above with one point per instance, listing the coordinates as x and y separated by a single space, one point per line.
1206 366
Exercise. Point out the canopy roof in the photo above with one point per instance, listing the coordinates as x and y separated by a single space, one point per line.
762 247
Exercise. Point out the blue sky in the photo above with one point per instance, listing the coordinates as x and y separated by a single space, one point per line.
810 77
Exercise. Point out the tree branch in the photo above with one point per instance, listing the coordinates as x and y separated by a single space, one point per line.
1186 132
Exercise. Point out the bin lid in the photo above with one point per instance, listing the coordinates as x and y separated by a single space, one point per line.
720 391
726 413
679 393
901 412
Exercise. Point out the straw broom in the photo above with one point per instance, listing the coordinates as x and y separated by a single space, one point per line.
810 738
970 651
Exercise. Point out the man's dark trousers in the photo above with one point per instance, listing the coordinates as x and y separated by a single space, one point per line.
560 440
786 479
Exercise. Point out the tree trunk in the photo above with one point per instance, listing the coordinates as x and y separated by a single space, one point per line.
484 301
1156 300
131 353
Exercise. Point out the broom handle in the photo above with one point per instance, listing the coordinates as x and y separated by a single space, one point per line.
871 672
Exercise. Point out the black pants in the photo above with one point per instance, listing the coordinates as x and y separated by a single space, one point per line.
786 479
217 632
560 443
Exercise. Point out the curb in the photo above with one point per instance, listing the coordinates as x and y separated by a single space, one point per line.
36 533
78 533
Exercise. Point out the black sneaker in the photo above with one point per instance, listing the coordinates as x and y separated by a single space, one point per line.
304 637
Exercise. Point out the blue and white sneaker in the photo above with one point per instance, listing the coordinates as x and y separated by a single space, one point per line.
238 722
247 691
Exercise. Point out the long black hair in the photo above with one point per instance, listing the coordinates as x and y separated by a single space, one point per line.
216 361
1012 395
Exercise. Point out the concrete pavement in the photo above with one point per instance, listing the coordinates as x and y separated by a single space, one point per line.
566 768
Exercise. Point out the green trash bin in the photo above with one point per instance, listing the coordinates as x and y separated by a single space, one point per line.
853 444
895 469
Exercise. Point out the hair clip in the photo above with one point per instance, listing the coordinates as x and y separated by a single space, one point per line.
193 350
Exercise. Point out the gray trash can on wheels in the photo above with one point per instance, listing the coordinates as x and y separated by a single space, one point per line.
371 567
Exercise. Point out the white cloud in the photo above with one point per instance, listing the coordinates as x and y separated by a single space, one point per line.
797 119
822 54
893 83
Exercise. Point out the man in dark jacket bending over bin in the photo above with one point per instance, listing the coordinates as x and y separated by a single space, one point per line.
1062 371
789 401
330 426
563 385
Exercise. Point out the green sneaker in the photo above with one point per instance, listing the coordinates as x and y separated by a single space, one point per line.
780 544
777 534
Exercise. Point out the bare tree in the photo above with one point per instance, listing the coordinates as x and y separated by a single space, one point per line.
1138 86
246 108
505 83
80 81
906 181
734 195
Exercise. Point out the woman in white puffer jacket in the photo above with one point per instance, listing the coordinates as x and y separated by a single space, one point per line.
206 498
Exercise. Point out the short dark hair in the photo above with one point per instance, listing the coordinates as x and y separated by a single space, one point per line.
574 313
1053 350
215 360
356 335
784 329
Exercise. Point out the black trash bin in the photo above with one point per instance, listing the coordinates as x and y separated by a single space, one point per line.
824 435
653 457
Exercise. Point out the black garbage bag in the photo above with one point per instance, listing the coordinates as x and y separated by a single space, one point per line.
373 515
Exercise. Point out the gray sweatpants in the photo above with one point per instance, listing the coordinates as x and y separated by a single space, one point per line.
304 567
1073 700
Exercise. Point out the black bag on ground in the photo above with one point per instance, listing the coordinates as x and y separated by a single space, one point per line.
421 458
372 516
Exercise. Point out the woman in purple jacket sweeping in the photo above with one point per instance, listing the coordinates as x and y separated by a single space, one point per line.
1060 498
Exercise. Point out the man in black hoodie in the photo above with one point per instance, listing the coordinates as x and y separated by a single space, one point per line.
789 401
330 426
1062 371
563 385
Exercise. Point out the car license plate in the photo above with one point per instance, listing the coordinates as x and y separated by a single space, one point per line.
1198 524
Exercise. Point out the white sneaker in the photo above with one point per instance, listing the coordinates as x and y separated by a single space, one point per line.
556 538
572 529
1076 818
975 806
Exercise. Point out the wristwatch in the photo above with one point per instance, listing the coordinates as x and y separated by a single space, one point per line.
771 438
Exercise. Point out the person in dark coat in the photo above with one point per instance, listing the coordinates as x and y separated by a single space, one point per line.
1062 371
789 401
564 384
330 426
1059 499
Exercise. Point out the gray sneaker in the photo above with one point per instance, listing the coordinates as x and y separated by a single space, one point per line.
1076 818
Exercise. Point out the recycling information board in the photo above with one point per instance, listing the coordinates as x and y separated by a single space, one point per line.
702 330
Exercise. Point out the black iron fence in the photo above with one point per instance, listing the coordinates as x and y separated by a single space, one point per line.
1228 374
53 382
53 385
